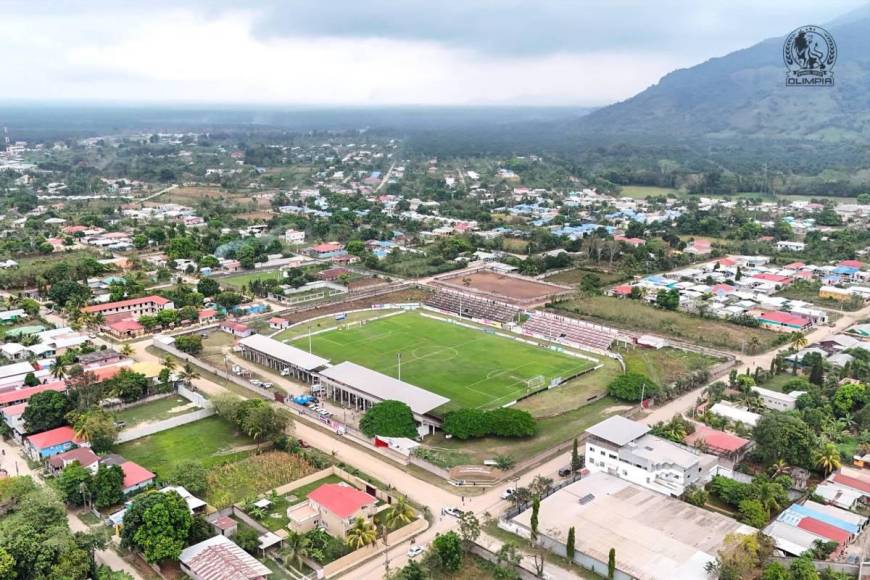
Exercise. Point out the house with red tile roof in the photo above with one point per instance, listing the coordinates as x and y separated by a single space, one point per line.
333 506
621 291
83 455
49 443
17 396
278 323
717 442
207 315
327 250
136 307
236 328
136 477
783 321
120 326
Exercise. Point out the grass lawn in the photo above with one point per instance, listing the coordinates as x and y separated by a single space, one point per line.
155 410
778 382
239 280
574 393
665 365
552 431
209 442
471 367
637 316
577 275
644 191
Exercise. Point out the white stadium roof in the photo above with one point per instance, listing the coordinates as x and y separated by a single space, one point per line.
383 387
284 352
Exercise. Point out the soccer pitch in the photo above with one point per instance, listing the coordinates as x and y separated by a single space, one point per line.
471 367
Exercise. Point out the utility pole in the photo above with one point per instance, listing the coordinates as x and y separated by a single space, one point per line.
399 356
309 338
642 391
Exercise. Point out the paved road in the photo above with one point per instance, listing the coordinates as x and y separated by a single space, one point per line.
750 362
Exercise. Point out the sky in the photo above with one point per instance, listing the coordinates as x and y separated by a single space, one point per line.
373 52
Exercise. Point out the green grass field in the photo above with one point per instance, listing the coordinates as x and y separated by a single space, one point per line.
472 368
239 280
209 442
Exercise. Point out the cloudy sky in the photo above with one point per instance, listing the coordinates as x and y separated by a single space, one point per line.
373 52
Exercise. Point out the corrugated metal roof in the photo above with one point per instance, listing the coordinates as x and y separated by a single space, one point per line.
618 430
284 352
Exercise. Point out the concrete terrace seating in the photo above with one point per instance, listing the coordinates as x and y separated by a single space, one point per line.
473 307
560 328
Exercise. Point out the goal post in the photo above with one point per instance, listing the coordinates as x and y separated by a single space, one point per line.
535 383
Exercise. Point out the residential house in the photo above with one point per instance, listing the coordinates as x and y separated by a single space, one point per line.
333 506
48 443
278 323
236 328
81 455
219 558
776 401
136 307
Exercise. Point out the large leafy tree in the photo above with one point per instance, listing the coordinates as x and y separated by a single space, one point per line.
447 551
45 410
108 486
96 427
158 524
75 484
389 419
784 436
631 387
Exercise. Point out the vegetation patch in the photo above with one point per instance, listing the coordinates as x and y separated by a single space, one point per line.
246 479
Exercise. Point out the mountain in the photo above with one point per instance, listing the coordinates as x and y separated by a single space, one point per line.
743 94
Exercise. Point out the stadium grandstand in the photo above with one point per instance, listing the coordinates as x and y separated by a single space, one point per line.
471 306
569 331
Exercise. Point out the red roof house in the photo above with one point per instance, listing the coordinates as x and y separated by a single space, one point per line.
851 264
48 443
775 278
83 455
621 290
278 323
717 442
777 320
342 500
825 530
149 302
20 395
236 328
136 477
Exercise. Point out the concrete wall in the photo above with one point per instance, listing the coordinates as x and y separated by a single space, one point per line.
357 557
151 428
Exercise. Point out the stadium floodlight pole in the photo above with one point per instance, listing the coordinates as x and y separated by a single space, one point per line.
399 356
309 338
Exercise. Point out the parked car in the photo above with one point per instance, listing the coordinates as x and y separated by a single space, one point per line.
452 511
415 551
266 385
565 471
506 494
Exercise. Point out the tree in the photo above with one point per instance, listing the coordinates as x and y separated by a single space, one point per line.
540 485
536 507
466 423
469 528
296 549
362 533
59 369
157 524
208 287
75 483
668 299
229 300
448 551
576 462
506 422
189 343
96 427
45 410
611 563
775 571
569 544
188 373
7 565
828 458
803 569
126 350
752 513
389 419
108 486
504 462
631 387
192 476
263 421
399 513
784 436
247 540
64 292
797 340
741 555
30 380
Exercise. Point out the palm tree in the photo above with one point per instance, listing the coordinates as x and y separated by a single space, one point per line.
400 513
127 350
296 548
779 467
829 458
188 373
797 340
58 371
754 345
169 364
362 533
768 497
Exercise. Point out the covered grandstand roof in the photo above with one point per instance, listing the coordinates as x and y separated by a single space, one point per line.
284 352
383 387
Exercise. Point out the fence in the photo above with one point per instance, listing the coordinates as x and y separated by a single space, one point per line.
152 428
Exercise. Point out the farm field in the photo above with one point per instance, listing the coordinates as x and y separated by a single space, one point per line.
471 367
210 442
639 317
246 479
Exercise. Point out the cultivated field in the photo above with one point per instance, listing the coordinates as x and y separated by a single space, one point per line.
471 367
639 317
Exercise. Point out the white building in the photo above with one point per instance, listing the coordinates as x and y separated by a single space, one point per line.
625 449
735 413
294 236
777 401
787 246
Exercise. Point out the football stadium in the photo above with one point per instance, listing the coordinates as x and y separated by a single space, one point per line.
472 366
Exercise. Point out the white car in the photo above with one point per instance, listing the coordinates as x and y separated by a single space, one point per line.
506 494
415 551
452 511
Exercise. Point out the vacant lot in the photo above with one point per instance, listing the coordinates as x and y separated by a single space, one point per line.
665 365
471 367
575 276
210 442
640 317
510 287
239 280
155 410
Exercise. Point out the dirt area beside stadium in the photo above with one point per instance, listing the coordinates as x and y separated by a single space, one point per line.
510 287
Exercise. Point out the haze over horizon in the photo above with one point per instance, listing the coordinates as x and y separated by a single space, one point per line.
374 53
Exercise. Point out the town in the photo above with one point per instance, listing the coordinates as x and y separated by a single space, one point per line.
404 329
